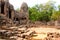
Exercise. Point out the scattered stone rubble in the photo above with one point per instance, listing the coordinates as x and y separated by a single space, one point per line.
16 33
53 36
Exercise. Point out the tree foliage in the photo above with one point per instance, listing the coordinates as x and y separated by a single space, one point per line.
42 12
56 16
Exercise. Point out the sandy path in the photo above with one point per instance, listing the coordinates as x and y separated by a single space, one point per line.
45 30
42 32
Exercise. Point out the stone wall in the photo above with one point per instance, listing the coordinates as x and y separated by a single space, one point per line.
7 11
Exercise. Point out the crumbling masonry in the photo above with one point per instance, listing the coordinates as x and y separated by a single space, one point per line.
9 16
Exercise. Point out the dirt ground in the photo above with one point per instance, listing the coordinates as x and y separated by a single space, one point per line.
42 32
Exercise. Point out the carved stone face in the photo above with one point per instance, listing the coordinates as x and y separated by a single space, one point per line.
24 7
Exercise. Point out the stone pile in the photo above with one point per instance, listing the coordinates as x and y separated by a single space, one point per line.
53 36
16 33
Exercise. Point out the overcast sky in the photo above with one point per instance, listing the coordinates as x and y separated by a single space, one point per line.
17 3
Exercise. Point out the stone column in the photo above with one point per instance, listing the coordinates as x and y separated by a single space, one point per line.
0 6
6 8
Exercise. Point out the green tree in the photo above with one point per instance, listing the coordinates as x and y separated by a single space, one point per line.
42 12
33 14
59 7
56 15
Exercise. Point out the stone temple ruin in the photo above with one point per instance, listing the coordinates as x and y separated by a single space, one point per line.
9 16
13 23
